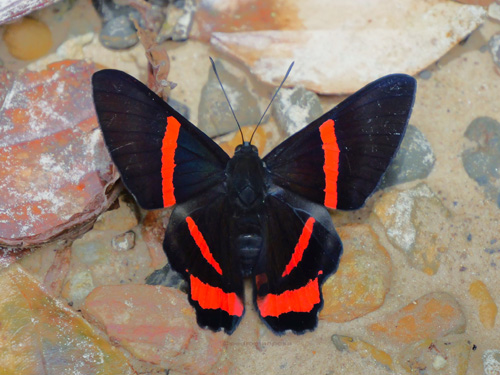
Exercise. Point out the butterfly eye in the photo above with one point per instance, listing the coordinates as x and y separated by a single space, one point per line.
254 149
238 148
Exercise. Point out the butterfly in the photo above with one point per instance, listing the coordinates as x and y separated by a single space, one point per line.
246 216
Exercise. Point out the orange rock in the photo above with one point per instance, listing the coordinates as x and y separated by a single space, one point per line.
364 349
363 277
483 3
259 139
28 39
487 307
156 324
448 355
39 335
431 316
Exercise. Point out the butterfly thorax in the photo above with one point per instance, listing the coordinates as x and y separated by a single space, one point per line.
247 179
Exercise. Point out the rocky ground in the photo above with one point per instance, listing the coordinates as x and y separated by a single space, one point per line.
85 285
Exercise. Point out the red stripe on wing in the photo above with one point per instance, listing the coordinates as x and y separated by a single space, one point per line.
169 145
298 300
331 167
302 244
210 297
202 244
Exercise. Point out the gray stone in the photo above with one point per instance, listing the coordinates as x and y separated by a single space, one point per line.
214 115
295 108
179 107
118 33
414 159
494 45
166 276
482 162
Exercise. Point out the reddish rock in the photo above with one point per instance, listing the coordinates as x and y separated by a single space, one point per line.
56 174
431 316
156 324
57 272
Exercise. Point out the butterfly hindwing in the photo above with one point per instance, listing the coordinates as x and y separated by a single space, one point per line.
339 158
198 246
163 159
301 249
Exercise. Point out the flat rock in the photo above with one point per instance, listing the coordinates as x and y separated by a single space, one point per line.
340 46
481 161
153 229
56 174
414 221
14 9
42 336
486 305
433 315
414 159
156 324
214 116
444 356
363 278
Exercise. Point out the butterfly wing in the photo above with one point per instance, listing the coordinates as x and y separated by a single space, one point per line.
198 245
163 158
339 158
301 249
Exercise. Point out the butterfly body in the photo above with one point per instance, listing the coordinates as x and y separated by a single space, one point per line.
247 216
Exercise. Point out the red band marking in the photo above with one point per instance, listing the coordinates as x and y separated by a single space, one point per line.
168 148
210 297
299 300
202 244
302 244
331 167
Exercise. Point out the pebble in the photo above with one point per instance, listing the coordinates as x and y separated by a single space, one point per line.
214 116
124 241
363 278
444 356
35 326
118 31
491 362
433 315
414 221
481 161
364 349
487 306
27 39
295 108
156 324
56 174
414 159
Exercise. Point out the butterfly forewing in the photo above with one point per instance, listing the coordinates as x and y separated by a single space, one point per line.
339 158
163 159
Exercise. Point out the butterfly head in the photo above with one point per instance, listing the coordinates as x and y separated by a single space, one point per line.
246 148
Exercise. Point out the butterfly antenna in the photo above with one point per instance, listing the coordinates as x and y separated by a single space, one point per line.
224 91
274 96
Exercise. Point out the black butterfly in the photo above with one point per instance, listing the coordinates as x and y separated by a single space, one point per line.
250 217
